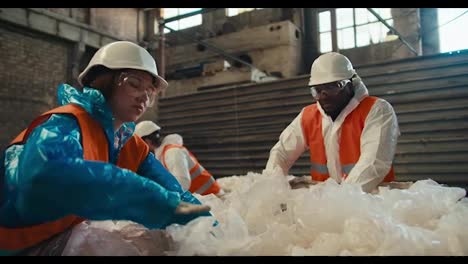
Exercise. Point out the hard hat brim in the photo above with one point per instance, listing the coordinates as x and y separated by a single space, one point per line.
335 78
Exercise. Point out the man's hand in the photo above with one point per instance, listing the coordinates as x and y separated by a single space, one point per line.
301 182
396 185
392 185
189 208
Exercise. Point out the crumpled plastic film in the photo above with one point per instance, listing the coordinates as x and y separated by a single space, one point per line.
261 215
116 238
339 219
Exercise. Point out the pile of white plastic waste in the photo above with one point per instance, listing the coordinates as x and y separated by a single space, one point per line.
262 215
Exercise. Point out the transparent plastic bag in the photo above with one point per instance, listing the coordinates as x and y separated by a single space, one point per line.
116 238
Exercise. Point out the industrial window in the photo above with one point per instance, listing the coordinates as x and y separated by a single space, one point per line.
354 27
452 24
184 22
236 11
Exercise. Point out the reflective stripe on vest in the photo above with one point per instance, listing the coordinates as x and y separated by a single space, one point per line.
323 169
350 139
95 148
347 168
202 189
197 171
320 168
202 182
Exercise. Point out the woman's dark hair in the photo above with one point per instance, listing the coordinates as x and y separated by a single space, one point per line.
94 73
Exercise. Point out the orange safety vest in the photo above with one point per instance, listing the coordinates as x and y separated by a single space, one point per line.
202 182
350 141
95 148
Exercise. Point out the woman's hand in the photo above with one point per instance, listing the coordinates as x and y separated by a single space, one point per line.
189 208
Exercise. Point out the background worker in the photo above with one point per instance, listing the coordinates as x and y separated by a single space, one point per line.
178 160
351 136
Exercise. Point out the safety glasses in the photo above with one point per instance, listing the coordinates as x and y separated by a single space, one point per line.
330 89
136 87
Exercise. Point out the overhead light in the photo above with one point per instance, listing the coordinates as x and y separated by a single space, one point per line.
391 36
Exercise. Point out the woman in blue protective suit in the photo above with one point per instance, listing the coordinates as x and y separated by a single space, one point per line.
82 160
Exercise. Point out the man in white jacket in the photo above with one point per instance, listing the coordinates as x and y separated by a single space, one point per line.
184 165
178 160
351 136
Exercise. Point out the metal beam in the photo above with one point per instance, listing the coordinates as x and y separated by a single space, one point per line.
311 34
334 32
393 30
162 44
201 11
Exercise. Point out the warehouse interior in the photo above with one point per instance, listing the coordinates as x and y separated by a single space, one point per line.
237 77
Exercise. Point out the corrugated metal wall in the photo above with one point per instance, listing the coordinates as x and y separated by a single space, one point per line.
231 130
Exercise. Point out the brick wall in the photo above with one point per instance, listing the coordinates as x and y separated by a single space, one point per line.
121 22
62 11
32 65
79 14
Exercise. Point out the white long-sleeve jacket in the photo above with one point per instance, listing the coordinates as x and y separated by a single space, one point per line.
378 143
176 159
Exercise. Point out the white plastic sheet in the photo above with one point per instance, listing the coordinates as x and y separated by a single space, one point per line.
329 219
261 215
116 238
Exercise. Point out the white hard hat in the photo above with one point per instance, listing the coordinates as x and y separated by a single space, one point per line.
124 55
145 128
330 67
173 139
